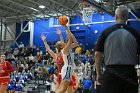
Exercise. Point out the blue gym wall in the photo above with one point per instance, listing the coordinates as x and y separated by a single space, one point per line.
25 36
84 34
135 24
42 27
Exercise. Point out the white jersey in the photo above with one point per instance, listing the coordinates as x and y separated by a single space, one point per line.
68 58
68 67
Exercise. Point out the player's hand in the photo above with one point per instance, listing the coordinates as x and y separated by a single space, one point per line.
58 31
1 71
99 79
43 37
65 26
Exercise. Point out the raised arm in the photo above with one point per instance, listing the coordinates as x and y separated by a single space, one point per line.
68 46
70 39
75 43
48 47
59 34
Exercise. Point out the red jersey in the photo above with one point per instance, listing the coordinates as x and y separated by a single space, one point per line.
59 63
7 67
73 80
59 78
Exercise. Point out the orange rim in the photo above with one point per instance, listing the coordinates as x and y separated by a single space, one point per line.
84 2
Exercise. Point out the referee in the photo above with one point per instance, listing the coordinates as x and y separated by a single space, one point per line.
120 46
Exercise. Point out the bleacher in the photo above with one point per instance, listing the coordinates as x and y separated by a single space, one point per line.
35 87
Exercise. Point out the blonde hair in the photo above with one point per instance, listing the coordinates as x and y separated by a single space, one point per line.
58 46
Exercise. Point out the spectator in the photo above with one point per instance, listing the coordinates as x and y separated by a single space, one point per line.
16 51
21 45
48 84
26 52
52 84
87 69
87 85
8 51
78 50
21 52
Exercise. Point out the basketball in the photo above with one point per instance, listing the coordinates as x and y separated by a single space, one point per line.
63 20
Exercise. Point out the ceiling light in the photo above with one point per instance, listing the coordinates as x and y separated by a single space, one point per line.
34 9
42 6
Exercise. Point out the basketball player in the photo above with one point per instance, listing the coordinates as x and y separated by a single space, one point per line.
5 70
73 84
67 69
58 55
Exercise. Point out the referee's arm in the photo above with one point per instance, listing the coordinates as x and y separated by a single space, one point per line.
98 57
99 48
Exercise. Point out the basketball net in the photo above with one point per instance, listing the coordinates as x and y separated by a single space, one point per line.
87 11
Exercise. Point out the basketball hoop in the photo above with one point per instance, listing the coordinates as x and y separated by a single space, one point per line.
87 11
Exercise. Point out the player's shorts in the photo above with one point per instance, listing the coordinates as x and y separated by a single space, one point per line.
66 73
59 78
4 81
74 88
73 81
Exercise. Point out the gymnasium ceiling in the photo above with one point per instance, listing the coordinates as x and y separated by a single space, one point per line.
29 9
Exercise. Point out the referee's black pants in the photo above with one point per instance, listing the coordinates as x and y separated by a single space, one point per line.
120 79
